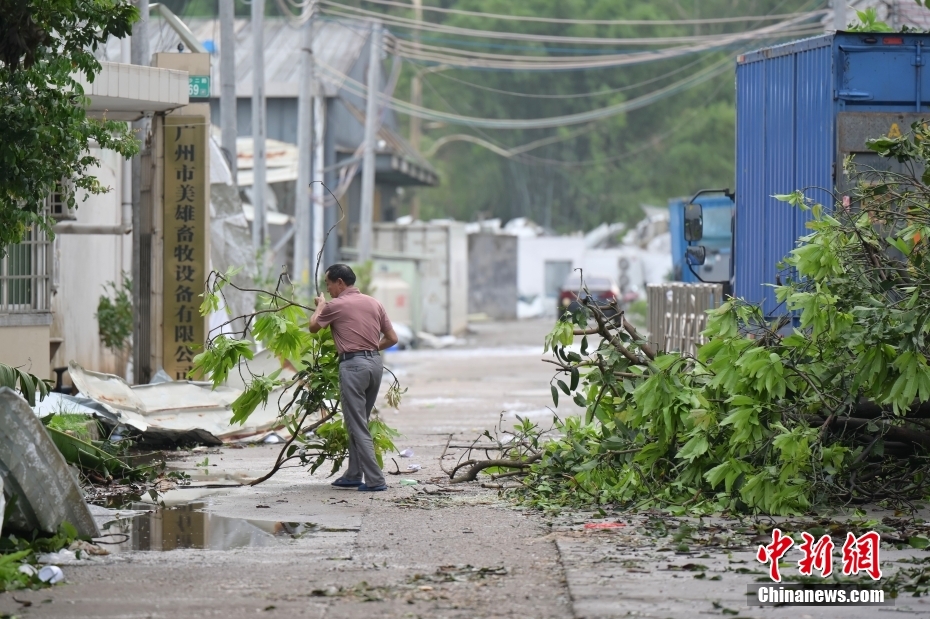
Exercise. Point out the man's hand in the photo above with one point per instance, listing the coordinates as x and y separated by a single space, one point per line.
387 340
320 304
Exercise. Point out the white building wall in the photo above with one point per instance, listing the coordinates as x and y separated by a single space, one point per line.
83 265
534 251
642 266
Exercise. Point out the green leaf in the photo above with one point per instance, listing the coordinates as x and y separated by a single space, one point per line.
555 395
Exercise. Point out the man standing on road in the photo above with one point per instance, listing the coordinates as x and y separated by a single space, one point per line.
361 329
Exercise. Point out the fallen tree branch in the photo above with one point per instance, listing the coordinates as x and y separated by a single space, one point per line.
477 467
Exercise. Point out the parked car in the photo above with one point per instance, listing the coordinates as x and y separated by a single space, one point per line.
602 289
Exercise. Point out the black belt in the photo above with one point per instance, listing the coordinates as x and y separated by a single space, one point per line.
359 353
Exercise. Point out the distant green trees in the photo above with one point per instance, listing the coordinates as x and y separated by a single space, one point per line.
670 148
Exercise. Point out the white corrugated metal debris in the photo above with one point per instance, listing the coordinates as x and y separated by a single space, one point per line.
178 406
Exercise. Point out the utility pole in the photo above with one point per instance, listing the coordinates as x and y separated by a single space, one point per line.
839 15
302 206
332 213
228 119
416 98
258 124
139 54
371 131
319 162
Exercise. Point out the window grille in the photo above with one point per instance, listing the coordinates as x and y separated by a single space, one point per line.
57 203
24 275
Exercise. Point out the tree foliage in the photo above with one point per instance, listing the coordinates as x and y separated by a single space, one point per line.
114 315
825 405
44 130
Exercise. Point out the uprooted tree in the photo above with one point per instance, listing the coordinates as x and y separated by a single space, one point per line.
308 400
826 405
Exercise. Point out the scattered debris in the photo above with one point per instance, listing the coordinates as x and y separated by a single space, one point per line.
51 574
460 573
408 482
406 453
603 525
172 413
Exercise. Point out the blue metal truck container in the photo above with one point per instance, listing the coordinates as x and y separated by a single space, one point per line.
718 239
800 109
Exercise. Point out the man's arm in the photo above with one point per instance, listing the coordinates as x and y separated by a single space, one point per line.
314 319
388 339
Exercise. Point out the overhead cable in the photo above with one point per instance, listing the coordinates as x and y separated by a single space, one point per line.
340 9
404 107
579 95
482 60
592 22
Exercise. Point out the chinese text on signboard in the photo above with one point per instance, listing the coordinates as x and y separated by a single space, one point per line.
185 199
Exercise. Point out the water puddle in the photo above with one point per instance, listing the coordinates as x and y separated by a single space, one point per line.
188 526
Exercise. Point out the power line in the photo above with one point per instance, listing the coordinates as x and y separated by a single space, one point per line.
538 123
358 13
594 22
471 60
576 95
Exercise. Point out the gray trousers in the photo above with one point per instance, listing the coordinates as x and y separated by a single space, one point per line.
359 381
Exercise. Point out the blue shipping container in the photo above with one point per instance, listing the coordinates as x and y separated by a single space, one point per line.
800 109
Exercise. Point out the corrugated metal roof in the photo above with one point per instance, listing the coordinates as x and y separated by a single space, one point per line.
336 43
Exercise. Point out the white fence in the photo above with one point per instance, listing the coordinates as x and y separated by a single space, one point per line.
678 314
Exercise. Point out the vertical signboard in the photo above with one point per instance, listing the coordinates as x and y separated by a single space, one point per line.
185 247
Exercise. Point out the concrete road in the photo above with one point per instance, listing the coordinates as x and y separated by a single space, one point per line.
295 547
398 553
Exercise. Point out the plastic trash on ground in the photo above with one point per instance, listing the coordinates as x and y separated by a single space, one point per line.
407 453
408 482
28 570
413 467
62 556
51 574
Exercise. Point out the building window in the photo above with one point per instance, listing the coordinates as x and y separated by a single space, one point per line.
24 276
57 202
